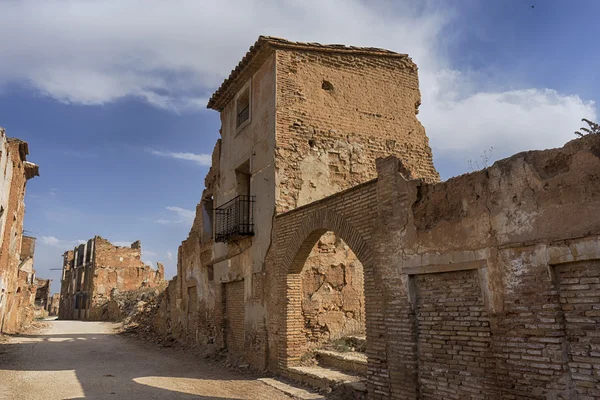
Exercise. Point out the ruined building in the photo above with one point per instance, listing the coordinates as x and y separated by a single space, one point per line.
53 304
92 271
484 286
299 122
17 288
42 294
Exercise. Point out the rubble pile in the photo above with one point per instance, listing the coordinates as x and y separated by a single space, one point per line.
136 309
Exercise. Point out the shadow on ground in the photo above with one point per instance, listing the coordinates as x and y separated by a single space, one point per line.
108 366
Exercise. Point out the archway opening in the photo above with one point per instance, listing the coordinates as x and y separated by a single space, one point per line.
325 308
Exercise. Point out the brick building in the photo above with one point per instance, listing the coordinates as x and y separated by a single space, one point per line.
17 288
53 304
299 122
484 286
42 294
93 270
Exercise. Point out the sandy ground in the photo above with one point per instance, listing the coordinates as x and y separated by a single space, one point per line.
87 360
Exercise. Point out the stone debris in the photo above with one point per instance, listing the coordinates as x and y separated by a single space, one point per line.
94 269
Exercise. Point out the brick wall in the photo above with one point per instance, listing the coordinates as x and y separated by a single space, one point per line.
14 313
579 289
484 286
235 317
328 138
333 301
453 337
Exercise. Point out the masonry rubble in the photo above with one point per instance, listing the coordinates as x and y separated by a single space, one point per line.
95 271
323 219
42 294
17 286
53 304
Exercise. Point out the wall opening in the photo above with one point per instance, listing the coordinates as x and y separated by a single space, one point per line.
326 307
242 107
243 178
207 218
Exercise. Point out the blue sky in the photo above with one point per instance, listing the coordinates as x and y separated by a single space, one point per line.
111 95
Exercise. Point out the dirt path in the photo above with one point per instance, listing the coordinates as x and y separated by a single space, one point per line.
86 360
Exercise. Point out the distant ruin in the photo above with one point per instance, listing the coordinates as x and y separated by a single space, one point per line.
96 268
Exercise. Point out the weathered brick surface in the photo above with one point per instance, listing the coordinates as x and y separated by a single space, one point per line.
369 111
92 271
453 337
469 284
235 317
579 288
17 289
333 301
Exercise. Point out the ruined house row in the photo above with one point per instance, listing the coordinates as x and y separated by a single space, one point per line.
17 276
323 218
94 270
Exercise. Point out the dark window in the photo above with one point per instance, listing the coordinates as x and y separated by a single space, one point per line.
242 107
207 219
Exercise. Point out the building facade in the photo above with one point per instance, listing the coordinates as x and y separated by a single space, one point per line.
299 122
94 269
485 286
17 288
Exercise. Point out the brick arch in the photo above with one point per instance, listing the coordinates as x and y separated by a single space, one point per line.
297 250
309 232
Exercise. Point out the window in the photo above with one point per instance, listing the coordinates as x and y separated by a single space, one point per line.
207 219
242 107
243 178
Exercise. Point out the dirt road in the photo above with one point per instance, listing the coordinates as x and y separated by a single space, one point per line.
87 360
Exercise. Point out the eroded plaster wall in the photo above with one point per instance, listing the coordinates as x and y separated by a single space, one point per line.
16 285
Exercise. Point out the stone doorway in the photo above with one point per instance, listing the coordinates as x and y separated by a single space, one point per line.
325 327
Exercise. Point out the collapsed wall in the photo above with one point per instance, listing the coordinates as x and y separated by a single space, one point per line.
483 286
93 271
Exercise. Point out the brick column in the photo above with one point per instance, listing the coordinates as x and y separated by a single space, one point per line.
294 340
390 321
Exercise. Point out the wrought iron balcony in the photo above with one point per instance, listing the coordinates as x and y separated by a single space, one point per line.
235 219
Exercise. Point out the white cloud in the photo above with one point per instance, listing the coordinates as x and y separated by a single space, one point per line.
56 242
174 54
183 216
148 253
201 159
50 240
122 243
169 255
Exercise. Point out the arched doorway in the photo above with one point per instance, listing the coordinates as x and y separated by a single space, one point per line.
303 330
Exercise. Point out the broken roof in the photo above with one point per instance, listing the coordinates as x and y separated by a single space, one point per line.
265 44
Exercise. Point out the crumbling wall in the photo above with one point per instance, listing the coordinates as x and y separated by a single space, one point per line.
118 268
15 285
53 305
42 293
66 310
333 302
483 286
337 113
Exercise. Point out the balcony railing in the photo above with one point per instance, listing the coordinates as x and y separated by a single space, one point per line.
235 219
